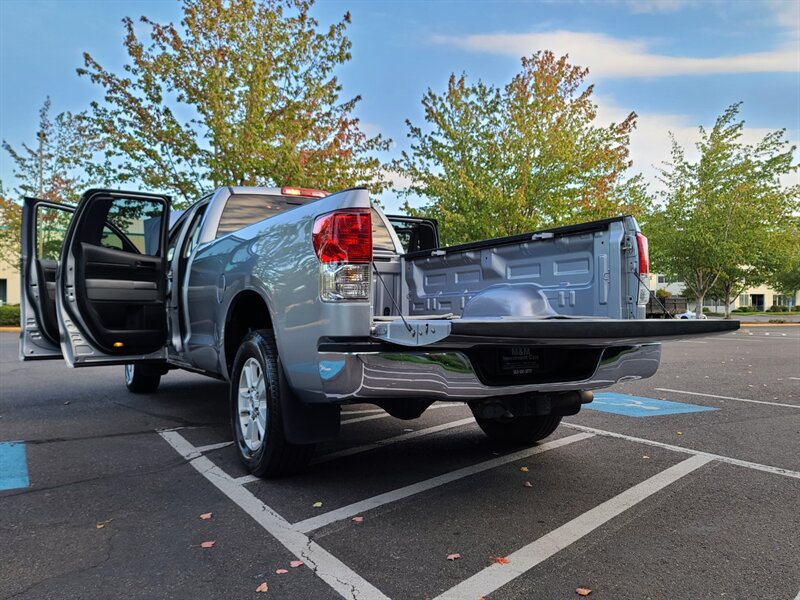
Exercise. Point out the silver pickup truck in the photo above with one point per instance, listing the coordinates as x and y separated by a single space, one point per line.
305 301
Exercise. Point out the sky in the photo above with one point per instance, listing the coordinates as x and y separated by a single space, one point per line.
677 63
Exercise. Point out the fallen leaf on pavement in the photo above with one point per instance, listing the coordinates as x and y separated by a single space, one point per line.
102 524
209 544
206 516
263 587
453 556
281 571
680 433
528 484
358 519
501 560
524 469
317 505
583 591
645 456
296 563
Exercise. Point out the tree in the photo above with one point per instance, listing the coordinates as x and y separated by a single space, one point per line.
10 227
501 161
724 218
53 168
239 93
786 279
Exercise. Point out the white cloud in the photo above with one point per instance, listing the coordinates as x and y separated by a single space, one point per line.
786 14
610 57
650 143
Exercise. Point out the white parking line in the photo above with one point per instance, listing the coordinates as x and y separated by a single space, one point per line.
415 488
366 447
727 398
329 568
392 440
210 447
795 378
495 576
725 459
383 415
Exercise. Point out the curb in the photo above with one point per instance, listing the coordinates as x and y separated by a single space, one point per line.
795 324
10 329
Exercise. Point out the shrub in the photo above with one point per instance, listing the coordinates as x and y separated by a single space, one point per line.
796 308
9 315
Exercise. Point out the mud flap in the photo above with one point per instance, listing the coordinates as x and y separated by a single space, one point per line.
308 423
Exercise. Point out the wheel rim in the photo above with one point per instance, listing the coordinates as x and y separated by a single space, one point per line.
129 374
252 405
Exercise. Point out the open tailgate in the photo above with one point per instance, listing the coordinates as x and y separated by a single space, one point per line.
545 332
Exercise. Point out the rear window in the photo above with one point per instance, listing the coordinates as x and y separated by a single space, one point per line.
242 210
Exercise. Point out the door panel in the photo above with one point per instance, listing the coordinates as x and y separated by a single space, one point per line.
111 288
44 225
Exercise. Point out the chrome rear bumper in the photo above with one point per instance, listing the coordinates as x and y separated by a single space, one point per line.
450 375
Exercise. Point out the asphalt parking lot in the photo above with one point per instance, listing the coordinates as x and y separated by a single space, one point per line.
633 499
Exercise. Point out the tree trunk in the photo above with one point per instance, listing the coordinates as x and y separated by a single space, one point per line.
727 308
699 307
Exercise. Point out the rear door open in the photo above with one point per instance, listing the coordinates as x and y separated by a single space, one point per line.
44 225
111 283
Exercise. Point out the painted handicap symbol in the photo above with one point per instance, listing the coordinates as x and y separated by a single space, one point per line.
640 406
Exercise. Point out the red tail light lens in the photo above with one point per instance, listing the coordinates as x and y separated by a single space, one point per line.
344 236
644 254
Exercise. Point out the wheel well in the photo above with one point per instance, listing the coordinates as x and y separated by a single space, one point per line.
247 312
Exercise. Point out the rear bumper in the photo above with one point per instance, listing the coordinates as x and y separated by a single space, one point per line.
449 375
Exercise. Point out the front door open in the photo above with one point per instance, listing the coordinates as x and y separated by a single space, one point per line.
111 284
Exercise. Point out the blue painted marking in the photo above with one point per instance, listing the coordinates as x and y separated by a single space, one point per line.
638 406
328 369
13 466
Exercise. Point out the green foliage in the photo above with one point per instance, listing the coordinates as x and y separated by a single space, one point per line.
501 161
9 315
10 227
239 93
725 219
53 168
662 293
786 278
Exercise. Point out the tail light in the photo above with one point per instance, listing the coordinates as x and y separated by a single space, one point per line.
644 254
289 190
343 243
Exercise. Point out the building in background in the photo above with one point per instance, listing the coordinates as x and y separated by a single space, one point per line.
761 297
9 285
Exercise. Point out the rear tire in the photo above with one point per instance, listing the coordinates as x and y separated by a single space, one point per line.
518 431
257 388
139 381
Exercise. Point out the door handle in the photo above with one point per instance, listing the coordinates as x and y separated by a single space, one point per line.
140 264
